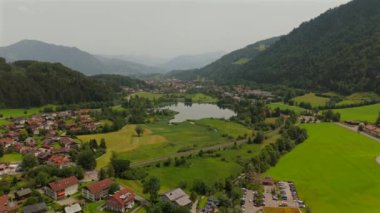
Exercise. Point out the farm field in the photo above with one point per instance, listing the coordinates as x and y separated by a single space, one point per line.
202 98
148 95
358 98
363 113
196 97
334 170
13 157
159 139
284 106
225 127
311 98
221 164
22 112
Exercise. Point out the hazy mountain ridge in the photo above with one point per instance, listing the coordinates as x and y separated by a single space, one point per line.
71 57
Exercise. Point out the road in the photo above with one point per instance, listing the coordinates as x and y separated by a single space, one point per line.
355 129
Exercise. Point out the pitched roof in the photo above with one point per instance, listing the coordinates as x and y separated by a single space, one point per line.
5 205
124 196
38 207
178 196
23 192
73 208
63 183
99 186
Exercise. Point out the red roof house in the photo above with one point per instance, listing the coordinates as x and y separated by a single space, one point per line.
62 188
121 201
6 205
97 190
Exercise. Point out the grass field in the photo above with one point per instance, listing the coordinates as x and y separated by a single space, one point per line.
148 95
334 170
14 157
202 98
284 106
311 98
22 112
358 98
364 113
3 122
225 127
159 139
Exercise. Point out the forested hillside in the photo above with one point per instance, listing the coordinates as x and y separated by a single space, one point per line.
228 64
339 51
30 83
117 82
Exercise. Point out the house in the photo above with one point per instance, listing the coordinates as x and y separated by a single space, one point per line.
121 201
59 160
30 142
97 190
75 208
6 205
177 196
267 181
62 188
6 142
372 130
23 193
35 208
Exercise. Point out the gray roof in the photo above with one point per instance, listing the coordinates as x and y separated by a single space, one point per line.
39 207
73 208
23 192
178 196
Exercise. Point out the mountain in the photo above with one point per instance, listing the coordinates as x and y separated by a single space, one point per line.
32 83
117 82
185 62
338 51
71 57
229 63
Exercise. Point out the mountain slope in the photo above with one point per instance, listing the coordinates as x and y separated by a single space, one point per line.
185 62
229 63
71 57
339 50
31 83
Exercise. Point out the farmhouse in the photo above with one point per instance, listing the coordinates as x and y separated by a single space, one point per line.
121 201
62 188
177 196
97 190
6 205
373 130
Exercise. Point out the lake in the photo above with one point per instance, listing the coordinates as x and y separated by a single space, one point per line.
198 111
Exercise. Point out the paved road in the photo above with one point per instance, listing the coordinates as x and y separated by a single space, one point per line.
194 207
355 129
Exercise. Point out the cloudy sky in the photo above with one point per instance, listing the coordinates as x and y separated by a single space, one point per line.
154 27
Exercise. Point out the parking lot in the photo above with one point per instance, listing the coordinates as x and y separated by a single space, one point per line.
283 194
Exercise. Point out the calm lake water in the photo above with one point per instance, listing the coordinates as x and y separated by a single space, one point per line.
198 111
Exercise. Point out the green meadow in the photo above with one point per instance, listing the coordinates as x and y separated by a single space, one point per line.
9 158
148 95
311 98
284 106
334 170
195 97
363 113
225 127
22 112
160 139
358 98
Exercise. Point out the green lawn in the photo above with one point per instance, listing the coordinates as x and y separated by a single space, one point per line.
334 170
148 95
92 207
225 127
159 139
3 122
202 98
311 98
284 106
359 97
22 112
14 157
364 113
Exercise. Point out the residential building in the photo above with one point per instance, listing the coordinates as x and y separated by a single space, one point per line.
62 188
178 197
75 208
121 201
23 193
7 206
35 208
97 190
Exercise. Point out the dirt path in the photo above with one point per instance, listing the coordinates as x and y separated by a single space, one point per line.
355 129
